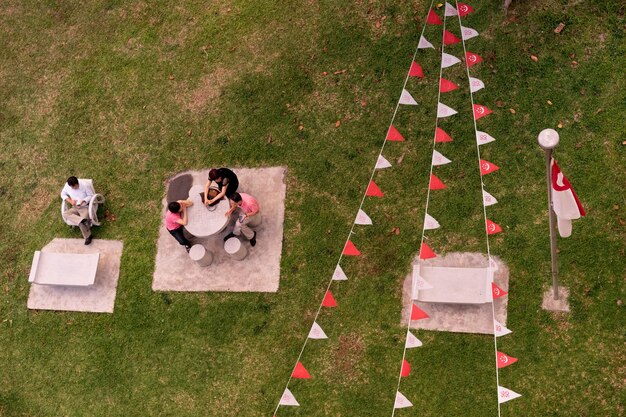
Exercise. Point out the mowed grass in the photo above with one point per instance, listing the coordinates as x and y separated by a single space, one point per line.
130 93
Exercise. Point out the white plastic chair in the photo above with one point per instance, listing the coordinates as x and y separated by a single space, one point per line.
95 201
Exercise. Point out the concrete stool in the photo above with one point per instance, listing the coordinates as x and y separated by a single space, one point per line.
255 221
200 255
235 248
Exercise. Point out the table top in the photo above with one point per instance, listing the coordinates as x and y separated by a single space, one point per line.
76 269
205 221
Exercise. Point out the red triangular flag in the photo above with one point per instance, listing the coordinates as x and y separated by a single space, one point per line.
472 58
480 111
496 291
487 167
449 38
464 9
432 18
350 249
406 368
446 85
493 228
417 313
426 252
505 360
416 70
373 190
329 300
435 183
442 136
394 135
300 372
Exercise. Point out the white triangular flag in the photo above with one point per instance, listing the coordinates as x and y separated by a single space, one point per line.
424 43
401 401
412 341
382 163
316 332
450 10
430 223
422 284
488 199
444 111
288 398
468 33
476 84
407 98
483 138
505 394
339 275
362 218
499 329
439 159
448 60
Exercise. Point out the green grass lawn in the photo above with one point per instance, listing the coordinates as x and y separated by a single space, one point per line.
130 93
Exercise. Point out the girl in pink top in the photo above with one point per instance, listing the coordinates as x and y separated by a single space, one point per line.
175 219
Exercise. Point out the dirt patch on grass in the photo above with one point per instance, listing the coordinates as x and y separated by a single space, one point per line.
209 88
348 354
43 195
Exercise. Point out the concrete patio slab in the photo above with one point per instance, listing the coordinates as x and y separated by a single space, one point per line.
96 298
258 272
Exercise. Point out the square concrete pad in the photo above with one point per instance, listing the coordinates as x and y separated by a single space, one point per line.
258 272
97 298
460 318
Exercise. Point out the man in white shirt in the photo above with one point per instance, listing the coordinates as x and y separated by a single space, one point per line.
78 196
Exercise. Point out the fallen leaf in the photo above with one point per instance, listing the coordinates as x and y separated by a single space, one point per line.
339 72
560 125
574 64
572 55
624 143
301 127
288 105
189 133
559 28
399 162
439 5
377 24
324 73
269 138
534 58
171 77
338 123
122 205
499 103
512 111
363 103
615 206
549 102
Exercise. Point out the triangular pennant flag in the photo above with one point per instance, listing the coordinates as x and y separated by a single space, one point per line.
488 199
407 98
423 43
450 10
476 84
416 70
505 360
499 329
493 228
426 252
442 136
450 38
472 58
362 218
436 183
430 223
406 369
422 284
394 135
373 190
448 60
401 401
382 163
505 395
483 138
412 341
288 399
329 300
496 291
468 33
480 111
300 372
446 86
339 275
487 167
350 249
432 18
316 332
464 9
439 159
444 111
417 313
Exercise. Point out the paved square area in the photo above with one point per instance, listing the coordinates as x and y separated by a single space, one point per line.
97 298
258 272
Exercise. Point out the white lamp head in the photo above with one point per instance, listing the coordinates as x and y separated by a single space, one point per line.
548 138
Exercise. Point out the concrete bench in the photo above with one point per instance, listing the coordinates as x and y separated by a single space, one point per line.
453 285
71 269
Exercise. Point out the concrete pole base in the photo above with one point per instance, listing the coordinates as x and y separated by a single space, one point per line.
550 304
200 255
235 249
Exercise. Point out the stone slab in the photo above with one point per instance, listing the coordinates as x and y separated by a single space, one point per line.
258 272
96 298
550 304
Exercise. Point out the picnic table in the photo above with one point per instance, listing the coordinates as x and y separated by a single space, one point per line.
203 221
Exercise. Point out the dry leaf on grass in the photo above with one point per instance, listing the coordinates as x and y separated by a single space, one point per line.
534 58
559 28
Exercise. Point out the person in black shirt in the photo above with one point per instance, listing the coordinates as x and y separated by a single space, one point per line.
227 182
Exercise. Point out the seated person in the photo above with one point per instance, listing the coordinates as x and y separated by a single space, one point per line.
174 222
227 182
78 196
250 207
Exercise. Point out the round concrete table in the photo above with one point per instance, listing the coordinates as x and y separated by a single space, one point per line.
205 221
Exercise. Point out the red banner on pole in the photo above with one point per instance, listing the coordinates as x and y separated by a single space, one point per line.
416 70
406 368
417 313
393 135
373 190
300 372
472 58
435 183
464 9
496 291
505 360
446 86
432 18
442 136
350 249
487 167
329 300
480 111
493 228
426 252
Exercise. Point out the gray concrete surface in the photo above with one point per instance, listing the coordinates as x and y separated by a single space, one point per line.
550 304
